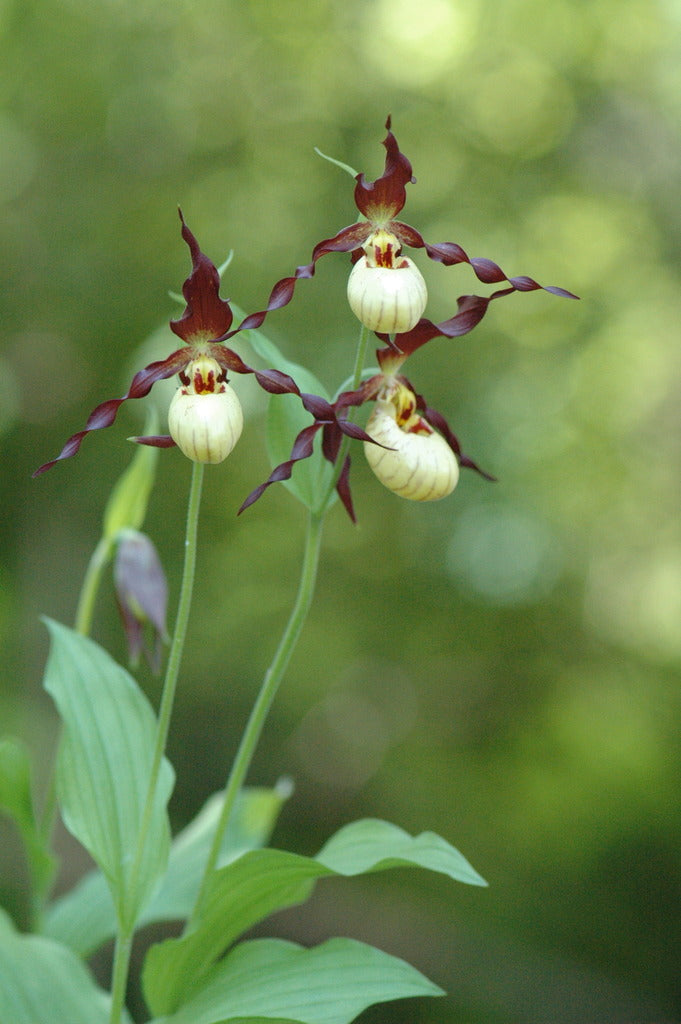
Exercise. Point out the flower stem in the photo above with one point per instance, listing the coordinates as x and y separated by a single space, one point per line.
270 685
88 594
179 635
119 979
126 928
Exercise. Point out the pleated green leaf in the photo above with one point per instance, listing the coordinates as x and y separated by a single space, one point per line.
85 917
243 893
264 881
374 845
104 767
328 984
42 982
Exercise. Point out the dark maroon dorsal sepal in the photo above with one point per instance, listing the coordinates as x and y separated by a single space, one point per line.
207 316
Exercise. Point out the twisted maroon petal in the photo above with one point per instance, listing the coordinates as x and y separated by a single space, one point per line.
303 446
276 383
228 359
105 414
207 316
363 394
347 240
355 432
487 271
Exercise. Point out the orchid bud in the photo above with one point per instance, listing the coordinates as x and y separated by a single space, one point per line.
205 418
416 462
386 291
142 594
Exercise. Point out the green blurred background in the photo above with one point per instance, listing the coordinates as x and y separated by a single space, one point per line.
501 667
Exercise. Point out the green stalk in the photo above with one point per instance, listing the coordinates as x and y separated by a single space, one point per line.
179 635
126 928
101 556
275 673
270 685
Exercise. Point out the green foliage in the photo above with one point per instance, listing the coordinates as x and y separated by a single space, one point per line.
104 768
535 623
373 845
263 881
328 984
85 917
42 982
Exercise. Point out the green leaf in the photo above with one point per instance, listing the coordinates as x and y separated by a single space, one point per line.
258 1020
264 881
104 767
17 801
328 984
374 845
242 894
85 917
42 982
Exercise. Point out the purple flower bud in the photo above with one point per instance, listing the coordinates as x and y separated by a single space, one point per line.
142 595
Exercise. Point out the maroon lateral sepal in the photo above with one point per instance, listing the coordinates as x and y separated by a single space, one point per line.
155 441
343 489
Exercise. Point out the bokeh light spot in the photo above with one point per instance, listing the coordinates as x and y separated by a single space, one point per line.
504 555
418 42
522 106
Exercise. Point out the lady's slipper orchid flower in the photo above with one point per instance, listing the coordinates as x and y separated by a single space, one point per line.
205 417
409 446
386 290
